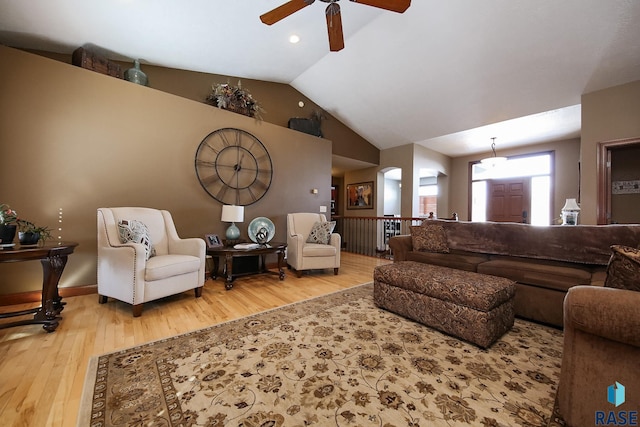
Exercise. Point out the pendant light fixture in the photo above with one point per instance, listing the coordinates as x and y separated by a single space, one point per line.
495 160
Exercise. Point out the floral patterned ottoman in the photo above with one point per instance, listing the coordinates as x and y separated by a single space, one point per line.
474 307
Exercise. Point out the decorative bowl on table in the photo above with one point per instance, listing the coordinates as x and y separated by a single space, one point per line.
261 230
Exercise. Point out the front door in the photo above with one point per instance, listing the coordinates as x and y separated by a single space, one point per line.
509 200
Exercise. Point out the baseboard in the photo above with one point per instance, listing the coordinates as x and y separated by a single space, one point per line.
35 296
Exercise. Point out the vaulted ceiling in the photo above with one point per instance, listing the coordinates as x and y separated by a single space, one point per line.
448 74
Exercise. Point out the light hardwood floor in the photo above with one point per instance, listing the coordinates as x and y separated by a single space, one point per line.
41 374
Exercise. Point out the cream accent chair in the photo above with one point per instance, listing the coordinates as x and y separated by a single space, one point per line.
123 272
307 256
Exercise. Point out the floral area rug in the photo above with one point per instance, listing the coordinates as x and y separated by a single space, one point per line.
336 360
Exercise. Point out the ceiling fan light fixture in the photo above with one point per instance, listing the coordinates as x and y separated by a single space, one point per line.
334 19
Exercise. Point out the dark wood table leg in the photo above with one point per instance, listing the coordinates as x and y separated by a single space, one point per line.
281 264
216 265
52 305
229 270
263 264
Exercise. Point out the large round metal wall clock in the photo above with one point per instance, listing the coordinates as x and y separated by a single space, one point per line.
233 166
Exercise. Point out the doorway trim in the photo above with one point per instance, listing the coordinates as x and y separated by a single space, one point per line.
603 203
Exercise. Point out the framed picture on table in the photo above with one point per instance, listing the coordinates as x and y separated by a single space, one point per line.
213 241
360 195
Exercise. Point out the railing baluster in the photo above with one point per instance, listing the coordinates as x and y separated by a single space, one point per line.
369 235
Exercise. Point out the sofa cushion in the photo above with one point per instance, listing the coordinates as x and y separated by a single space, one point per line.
163 266
455 259
321 232
623 270
136 232
465 288
585 244
429 237
316 249
598 276
553 275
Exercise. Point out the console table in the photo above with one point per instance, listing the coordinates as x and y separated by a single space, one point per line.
53 258
229 252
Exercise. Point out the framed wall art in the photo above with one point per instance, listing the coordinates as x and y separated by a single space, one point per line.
360 195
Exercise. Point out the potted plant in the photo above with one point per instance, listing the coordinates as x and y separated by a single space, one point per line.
8 224
31 234
234 98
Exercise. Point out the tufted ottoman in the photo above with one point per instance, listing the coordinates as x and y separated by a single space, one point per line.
472 306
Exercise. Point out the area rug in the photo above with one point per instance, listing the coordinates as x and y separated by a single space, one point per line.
335 360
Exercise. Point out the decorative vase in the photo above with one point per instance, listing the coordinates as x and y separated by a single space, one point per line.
136 75
7 233
28 238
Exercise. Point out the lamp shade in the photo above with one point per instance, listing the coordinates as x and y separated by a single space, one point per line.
232 213
571 205
494 161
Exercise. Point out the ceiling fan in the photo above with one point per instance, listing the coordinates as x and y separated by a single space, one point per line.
334 21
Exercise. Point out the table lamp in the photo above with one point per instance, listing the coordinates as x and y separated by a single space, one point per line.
233 214
570 212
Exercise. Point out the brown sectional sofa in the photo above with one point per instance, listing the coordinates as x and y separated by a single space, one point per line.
545 262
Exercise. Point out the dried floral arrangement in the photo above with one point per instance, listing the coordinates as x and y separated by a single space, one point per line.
234 98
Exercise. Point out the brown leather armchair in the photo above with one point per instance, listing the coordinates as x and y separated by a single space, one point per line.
601 347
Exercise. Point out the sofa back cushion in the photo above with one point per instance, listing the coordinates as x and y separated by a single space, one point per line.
429 237
587 244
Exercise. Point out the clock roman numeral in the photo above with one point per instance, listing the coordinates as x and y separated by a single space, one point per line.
210 180
205 163
238 138
225 139
222 192
212 148
260 184
251 194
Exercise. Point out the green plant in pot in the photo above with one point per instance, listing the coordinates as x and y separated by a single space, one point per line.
31 234
8 224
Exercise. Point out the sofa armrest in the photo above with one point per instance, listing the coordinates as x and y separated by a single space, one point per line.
400 245
609 313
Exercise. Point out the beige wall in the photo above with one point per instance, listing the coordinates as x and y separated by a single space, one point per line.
279 101
76 140
608 114
410 158
440 165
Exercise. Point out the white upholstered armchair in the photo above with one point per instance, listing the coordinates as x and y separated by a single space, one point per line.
125 273
304 255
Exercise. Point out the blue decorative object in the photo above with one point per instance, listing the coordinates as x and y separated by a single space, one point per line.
233 232
261 230
136 75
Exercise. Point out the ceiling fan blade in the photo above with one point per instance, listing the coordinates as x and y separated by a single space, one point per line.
392 5
284 10
334 27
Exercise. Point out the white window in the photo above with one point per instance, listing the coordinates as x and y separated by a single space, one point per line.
537 167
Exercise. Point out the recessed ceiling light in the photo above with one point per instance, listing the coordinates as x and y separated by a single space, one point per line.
294 38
